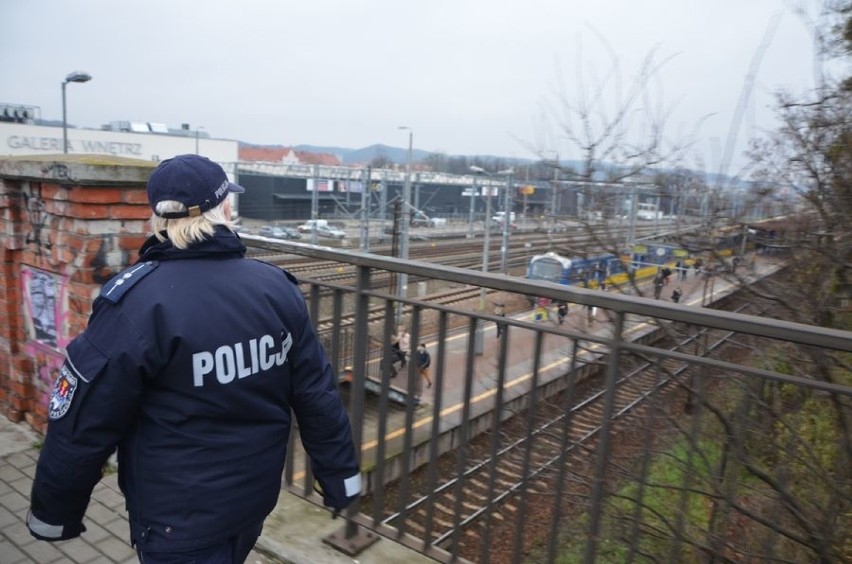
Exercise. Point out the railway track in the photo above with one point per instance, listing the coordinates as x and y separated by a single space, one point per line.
375 314
488 477
460 252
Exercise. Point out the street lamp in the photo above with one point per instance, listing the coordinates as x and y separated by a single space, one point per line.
486 241
507 221
507 204
197 129
402 290
76 76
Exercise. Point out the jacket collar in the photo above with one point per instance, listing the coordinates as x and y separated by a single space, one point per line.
224 243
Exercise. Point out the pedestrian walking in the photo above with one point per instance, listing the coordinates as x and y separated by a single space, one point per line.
424 360
676 295
659 282
191 364
401 345
500 311
561 312
542 309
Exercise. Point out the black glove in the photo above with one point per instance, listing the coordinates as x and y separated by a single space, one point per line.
47 532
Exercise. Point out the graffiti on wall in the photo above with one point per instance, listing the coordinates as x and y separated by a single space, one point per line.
37 216
44 306
44 312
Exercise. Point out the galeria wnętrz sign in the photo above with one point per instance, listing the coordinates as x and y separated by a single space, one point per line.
54 145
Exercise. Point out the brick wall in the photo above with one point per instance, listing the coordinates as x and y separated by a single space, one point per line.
67 224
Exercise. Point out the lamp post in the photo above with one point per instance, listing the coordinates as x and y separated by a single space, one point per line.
472 205
486 241
507 221
76 76
402 290
197 129
486 238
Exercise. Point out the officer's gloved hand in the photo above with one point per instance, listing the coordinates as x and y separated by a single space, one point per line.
338 493
47 532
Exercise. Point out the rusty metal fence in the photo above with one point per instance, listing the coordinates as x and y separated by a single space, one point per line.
660 432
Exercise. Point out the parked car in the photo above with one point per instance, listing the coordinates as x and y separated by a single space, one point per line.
279 232
420 219
421 222
312 224
330 232
500 216
290 233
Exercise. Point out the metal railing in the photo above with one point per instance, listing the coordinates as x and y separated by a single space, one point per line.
662 432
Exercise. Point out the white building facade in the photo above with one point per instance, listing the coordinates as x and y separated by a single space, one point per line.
18 139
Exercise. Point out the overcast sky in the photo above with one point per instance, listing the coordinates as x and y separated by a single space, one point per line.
468 76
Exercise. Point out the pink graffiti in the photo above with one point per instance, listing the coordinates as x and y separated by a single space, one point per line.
48 361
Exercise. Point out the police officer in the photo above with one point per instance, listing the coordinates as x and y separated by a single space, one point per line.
190 365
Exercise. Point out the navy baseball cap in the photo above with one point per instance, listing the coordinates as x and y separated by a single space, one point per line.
195 181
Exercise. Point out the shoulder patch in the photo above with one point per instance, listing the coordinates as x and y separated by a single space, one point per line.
63 393
115 289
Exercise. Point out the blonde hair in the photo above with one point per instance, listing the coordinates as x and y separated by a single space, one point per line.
184 231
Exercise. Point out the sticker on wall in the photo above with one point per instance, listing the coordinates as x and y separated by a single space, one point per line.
41 292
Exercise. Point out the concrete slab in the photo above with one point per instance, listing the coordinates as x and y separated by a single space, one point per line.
294 533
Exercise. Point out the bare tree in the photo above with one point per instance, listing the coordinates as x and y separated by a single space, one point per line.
613 133
755 470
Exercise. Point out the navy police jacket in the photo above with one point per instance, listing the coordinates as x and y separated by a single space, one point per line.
190 366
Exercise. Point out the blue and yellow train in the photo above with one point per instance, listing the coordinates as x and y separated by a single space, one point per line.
642 262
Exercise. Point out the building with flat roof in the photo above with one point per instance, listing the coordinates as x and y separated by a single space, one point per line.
25 137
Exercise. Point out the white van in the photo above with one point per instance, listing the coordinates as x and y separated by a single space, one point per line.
498 217
313 224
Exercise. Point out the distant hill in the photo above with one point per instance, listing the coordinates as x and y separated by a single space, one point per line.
367 154
399 155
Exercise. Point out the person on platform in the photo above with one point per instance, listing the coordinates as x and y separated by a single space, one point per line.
659 282
676 294
424 360
401 344
193 363
500 311
561 312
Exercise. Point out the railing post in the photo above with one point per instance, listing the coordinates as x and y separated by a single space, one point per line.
353 539
602 455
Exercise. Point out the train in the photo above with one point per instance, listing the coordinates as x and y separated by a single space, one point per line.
642 261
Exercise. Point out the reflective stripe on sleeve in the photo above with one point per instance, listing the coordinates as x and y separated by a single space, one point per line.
43 529
352 485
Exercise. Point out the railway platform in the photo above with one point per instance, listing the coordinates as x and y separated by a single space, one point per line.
445 401
293 533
